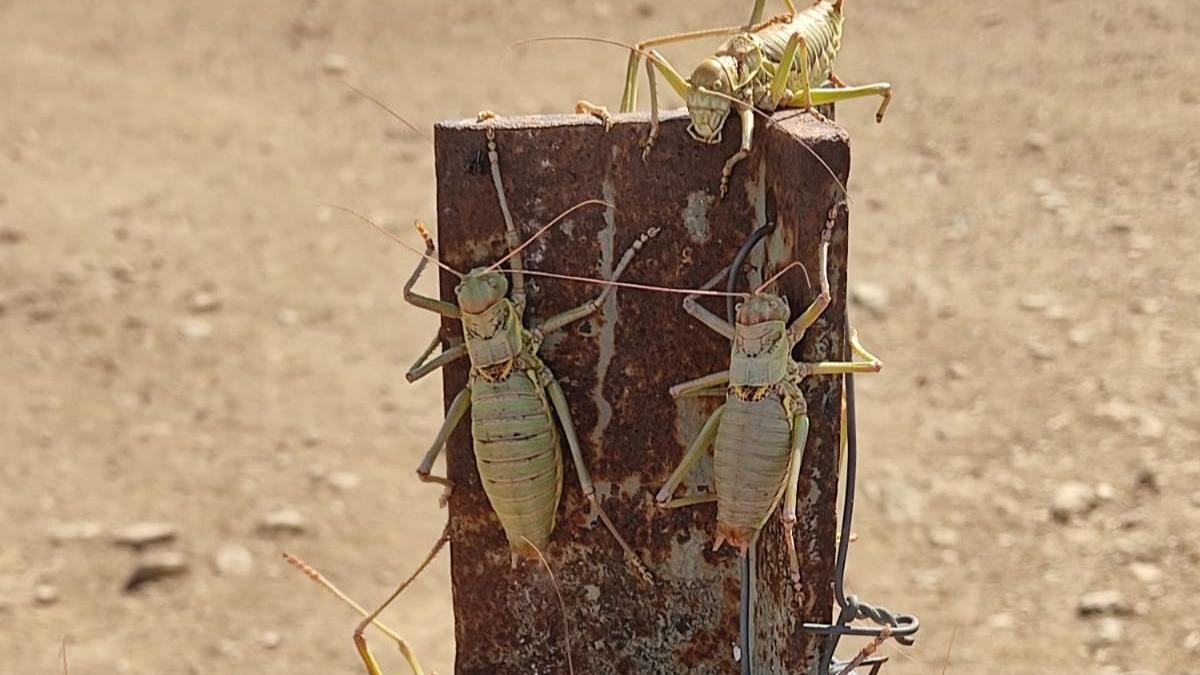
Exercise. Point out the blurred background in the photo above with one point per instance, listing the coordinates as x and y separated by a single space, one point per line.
202 367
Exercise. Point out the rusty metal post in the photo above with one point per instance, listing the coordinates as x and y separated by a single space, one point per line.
616 368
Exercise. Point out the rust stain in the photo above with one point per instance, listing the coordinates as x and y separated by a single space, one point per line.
506 620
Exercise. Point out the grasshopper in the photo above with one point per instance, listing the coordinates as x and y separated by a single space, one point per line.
782 62
512 395
759 433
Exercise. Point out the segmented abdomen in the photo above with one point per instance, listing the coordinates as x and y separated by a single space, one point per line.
821 26
516 450
751 455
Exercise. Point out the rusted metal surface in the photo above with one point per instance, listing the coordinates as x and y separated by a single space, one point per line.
616 368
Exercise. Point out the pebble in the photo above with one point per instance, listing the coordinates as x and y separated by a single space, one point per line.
10 236
943 537
288 316
957 370
283 521
233 560
1036 302
1196 499
82 530
270 639
1103 603
193 328
343 481
140 535
1072 499
1124 414
1192 641
336 64
1105 492
1145 306
203 302
1002 621
872 297
155 566
1147 479
1036 141
1079 335
45 594
1109 631
1040 351
1147 573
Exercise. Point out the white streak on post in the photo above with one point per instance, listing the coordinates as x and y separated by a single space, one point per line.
608 321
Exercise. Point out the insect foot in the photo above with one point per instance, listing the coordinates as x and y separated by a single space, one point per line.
600 112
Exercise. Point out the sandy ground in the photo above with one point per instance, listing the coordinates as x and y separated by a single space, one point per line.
189 338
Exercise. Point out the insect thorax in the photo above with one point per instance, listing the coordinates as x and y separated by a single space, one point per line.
760 359
495 340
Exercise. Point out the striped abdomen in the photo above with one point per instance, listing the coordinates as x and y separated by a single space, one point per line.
751 457
821 26
516 450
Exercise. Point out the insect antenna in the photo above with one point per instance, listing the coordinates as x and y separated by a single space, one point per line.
780 273
412 127
651 57
632 285
398 240
542 230
562 606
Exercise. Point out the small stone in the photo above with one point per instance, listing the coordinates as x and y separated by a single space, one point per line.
282 522
336 64
140 535
233 560
343 481
1192 641
1079 335
1145 306
1105 492
1196 499
1072 499
943 537
203 302
45 594
195 329
270 639
155 566
82 530
1036 302
10 236
1147 573
1002 621
1147 479
288 316
1109 631
1103 603
957 370
1040 351
872 297
1036 141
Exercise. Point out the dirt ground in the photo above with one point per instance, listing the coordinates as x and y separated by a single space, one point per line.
189 338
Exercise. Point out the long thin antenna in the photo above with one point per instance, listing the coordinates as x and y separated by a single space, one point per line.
562 606
412 127
398 240
780 273
542 230
627 284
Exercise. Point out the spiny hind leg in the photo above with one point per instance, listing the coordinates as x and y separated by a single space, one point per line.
454 416
559 400
824 95
708 433
799 439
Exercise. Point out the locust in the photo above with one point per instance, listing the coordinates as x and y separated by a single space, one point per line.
512 396
759 433
783 62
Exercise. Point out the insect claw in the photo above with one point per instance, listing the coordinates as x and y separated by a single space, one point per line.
485 115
